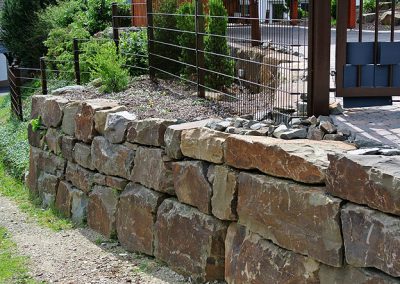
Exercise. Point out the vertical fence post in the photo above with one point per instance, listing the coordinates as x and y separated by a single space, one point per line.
199 26
76 62
11 81
18 95
115 24
150 38
319 45
255 24
43 75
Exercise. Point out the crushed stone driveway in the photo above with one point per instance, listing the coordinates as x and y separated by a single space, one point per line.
72 256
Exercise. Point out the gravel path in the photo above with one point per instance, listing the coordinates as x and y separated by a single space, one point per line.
73 257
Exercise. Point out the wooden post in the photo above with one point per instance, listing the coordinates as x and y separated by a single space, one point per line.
115 24
133 13
43 75
319 44
294 12
77 67
150 39
200 65
351 20
255 24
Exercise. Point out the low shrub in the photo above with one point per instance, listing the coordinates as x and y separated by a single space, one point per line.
134 46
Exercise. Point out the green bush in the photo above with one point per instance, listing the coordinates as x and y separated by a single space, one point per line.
17 22
218 44
107 65
134 46
186 22
333 8
166 36
369 6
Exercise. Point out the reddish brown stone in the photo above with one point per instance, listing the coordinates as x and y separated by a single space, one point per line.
83 156
67 148
64 198
190 242
225 191
35 138
100 117
80 177
371 239
152 171
251 259
149 131
53 140
136 216
101 210
369 180
113 182
84 119
301 160
37 105
191 184
296 217
52 111
49 163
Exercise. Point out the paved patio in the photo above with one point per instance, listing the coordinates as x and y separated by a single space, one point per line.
381 124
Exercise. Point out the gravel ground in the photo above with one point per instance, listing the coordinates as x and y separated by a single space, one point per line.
74 257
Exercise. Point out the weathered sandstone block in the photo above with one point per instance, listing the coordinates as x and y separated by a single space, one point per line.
370 180
296 217
251 259
83 156
371 239
101 210
136 216
353 275
49 163
100 117
84 120
37 105
190 242
225 191
112 159
31 180
64 198
35 138
110 181
52 111
47 187
191 184
204 144
53 140
67 148
172 137
301 160
116 126
80 177
149 131
68 121
152 171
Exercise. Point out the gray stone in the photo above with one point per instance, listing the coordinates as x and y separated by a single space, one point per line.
279 130
82 155
68 122
110 181
100 117
47 186
149 131
52 111
364 151
334 137
80 177
323 118
67 148
300 133
53 139
116 126
79 207
37 105
336 108
314 133
239 122
328 127
389 152
362 142
67 89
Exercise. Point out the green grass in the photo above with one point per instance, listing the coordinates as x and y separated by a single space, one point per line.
13 268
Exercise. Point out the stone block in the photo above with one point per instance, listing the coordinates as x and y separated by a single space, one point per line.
31 180
296 217
49 163
79 207
101 210
110 181
35 138
353 275
100 117
37 105
152 171
67 148
52 111
136 216
251 259
64 198
204 144
47 187
371 239
191 184
68 121
53 139
369 180
172 137
83 155
112 159
190 242
149 131
80 177
225 191
117 125
85 118
301 160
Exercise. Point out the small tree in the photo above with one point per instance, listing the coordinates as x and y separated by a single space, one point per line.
186 23
216 43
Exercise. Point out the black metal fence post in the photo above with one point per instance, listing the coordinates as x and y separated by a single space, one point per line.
18 95
76 62
150 38
115 24
43 75
199 24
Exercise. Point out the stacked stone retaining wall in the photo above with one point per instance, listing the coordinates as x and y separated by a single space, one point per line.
215 206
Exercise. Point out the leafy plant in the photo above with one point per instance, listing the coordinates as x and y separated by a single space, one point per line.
99 14
186 22
333 8
369 6
134 46
36 123
216 43
107 65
